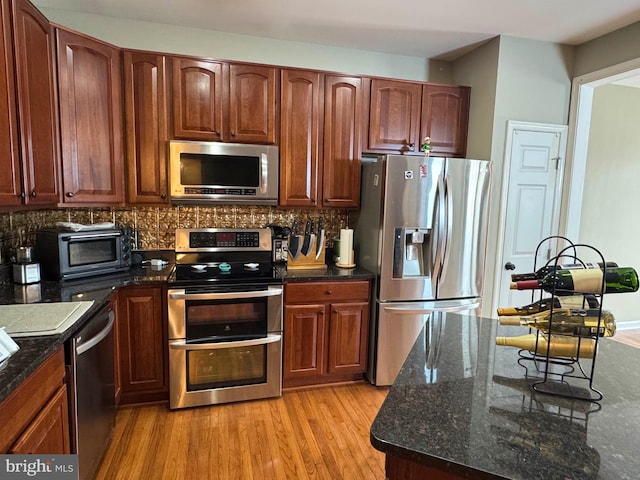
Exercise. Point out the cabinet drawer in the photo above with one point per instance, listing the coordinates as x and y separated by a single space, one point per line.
325 291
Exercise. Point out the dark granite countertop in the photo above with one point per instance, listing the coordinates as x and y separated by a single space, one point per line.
330 273
463 405
34 350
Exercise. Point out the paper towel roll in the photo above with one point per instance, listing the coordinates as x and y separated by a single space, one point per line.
346 246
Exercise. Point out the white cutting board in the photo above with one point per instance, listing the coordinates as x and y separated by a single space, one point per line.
26 320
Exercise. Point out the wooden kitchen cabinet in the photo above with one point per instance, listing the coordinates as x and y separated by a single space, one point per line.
394 116
402 114
445 118
343 119
34 418
301 133
320 143
142 344
326 332
218 101
147 127
90 91
28 125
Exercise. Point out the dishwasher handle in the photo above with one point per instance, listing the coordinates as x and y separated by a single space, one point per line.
87 345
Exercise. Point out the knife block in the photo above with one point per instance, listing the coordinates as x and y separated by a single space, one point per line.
308 261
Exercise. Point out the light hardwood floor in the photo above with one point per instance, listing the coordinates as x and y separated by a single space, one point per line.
630 337
320 433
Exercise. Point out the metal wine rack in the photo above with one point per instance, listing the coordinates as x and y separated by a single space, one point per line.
569 377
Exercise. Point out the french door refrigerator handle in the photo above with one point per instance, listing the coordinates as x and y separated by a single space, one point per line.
446 239
183 345
438 226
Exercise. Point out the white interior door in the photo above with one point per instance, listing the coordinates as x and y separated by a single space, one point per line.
531 186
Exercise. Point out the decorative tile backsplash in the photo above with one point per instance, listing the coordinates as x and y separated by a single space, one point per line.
156 225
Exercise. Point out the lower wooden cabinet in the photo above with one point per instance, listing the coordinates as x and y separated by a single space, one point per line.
326 332
142 358
34 418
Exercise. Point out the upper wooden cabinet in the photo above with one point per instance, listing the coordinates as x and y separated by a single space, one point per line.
320 141
301 133
146 123
224 102
445 118
90 92
28 123
343 117
402 113
394 116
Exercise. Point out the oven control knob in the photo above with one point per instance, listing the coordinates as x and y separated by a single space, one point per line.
224 267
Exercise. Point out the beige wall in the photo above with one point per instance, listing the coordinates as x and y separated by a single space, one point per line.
609 205
207 43
511 79
608 50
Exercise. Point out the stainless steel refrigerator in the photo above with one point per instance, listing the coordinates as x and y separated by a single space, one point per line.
422 230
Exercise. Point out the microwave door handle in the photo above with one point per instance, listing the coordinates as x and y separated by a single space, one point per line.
182 345
272 292
264 172
90 236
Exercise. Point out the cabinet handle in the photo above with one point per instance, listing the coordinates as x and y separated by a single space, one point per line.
70 194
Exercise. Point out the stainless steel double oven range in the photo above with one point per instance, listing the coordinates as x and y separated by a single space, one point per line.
225 318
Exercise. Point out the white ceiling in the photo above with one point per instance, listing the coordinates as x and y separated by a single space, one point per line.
422 28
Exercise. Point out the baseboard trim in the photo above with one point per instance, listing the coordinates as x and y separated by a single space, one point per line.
628 325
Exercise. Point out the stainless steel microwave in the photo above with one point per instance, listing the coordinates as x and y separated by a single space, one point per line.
223 173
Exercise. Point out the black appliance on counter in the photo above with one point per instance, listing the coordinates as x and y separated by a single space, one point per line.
225 318
65 254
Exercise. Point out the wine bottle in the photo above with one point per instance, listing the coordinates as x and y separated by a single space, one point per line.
574 301
582 323
541 272
569 282
559 345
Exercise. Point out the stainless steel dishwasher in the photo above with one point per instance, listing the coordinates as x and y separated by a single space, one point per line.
92 385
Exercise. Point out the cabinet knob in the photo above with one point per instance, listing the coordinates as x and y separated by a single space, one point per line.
163 196
216 132
321 312
33 194
22 195
70 194
335 311
329 292
412 146
233 134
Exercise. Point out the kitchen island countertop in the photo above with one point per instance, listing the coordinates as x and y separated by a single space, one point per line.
461 407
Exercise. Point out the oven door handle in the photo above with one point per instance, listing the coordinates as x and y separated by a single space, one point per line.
182 345
272 292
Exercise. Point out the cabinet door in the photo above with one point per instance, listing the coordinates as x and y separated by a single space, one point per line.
142 344
394 116
343 108
90 120
197 99
253 93
36 101
348 337
48 432
146 123
445 118
300 139
304 342
10 180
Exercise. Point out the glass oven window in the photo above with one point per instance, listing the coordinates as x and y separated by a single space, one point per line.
226 319
216 170
227 367
89 252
